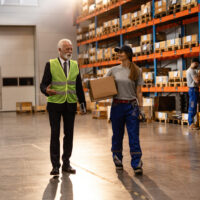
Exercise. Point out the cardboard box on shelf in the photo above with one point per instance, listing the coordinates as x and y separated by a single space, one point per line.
160 45
162 79
92 8
135 15
137 50
188 2
126 20
174 42
99 31
99 4
100 54
148 75
146 9
160 7
91 26
146 38
190 39
174 74
184 74
108 53
148 101
92 51
82 30
98 91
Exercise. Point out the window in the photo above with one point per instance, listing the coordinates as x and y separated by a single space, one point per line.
26 81
10 81
19 2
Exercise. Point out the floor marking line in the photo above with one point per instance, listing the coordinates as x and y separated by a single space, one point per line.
39 148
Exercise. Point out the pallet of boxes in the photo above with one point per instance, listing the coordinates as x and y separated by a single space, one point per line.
91 30
145 13
190 41
148 78
126 20
146 44
174 6
99 92
188 4
160 8
24 107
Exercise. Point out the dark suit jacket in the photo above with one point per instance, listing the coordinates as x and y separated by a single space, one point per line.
46 80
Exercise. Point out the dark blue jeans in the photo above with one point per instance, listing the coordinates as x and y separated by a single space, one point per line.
121 115
193 100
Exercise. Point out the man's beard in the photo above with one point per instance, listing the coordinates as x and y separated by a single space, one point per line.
67 56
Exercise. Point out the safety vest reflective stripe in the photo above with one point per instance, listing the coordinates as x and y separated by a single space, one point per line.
63 83
64 93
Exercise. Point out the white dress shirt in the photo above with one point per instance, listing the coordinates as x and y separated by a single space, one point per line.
62 64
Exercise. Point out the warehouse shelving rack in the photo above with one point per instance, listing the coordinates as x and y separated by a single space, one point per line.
155 25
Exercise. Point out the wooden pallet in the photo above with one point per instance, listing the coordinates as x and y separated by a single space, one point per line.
190 45
145 19
126 26
174 121
148 85
188 6
114 29
173 48
175 79
175 84
114 57
159 15
112 2
146 52
184 84
159 50
40 109
137 54
145 42
100 60
108 59
184 122
174 9
161 120
145 15
161 84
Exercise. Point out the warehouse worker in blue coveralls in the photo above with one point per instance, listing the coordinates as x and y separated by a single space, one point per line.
193 81
126 108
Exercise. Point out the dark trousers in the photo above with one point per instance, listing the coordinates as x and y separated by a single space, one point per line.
68 121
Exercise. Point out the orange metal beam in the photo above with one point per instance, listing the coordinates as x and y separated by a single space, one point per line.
165 89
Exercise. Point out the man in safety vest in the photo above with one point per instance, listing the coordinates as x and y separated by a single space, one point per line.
62 85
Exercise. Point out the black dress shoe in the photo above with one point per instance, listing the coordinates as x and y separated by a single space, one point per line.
55 171
68 169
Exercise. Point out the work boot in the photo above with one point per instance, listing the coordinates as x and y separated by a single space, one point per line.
55 171
193 127
118 163
138 170
68 169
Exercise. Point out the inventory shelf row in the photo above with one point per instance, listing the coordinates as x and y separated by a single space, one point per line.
188 52
149 24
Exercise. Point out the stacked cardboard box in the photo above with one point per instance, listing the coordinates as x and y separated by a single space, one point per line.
161 81
92 59
83 58
114 54
92 8
99 31
190 41
92 51
175 79
115 25
146 39
160 46
100 54
135 17
99 4
85 7
107 27
174 6
108 53
126 20
160 8
187 4
173 44
137 50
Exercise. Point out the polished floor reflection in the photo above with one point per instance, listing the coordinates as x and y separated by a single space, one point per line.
171 156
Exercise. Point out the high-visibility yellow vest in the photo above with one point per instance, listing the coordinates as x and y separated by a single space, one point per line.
65 87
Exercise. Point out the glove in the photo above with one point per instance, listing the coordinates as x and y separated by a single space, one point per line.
142 114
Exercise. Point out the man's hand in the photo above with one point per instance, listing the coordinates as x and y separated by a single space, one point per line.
49 91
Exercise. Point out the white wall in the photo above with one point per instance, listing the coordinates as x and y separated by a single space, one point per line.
53 20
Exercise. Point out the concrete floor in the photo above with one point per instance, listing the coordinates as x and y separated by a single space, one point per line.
171 156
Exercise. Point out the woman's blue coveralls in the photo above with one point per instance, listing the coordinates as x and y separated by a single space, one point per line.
126 114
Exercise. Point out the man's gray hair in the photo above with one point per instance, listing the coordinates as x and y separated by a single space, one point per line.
60 43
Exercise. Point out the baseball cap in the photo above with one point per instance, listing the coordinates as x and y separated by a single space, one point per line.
125 48
195 60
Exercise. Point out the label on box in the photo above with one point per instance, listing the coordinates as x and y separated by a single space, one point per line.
125 16
106 24
159 3
175 74
146 75
160 79
135 14
104 2
189 38
145 10
144 47
134 49
160 115
172 42
144 37
115 21
188 1
157 45
174 2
